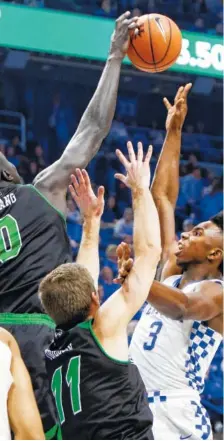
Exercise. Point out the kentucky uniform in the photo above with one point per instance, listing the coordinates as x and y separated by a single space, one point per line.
173 358
33 242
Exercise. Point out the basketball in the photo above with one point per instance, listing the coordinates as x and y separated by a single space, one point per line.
157 44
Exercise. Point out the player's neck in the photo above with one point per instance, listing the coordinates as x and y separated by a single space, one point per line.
197 273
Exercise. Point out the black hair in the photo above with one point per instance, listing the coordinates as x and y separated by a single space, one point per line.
218 221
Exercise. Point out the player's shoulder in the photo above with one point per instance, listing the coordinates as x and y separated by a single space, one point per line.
5 336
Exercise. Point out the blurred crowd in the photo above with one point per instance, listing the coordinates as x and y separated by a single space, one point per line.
194 15
51 119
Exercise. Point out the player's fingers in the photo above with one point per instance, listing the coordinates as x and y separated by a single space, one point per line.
131 152
86 178
75 182
120 177
123 17
178 94
125 270
167 103
129 264
100 193
119 280
126 251
122 158
186 90
134 25
179 103
73 193
148 154
132 20
79 176
119 251
140 152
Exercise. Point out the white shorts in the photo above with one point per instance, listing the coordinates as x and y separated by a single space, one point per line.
179 416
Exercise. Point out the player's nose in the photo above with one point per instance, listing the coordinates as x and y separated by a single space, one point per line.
184 236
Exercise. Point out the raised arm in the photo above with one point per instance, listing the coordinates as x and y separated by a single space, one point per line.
165 186
23 413
95 123
115 313
204 303
91 208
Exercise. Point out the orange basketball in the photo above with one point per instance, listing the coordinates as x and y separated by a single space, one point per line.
157 45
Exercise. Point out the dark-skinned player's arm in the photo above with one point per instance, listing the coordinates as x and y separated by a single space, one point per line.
24 417
165 186
95 123
205 302
91 208
114 315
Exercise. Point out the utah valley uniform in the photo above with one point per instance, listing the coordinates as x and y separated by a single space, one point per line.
97 396
33 242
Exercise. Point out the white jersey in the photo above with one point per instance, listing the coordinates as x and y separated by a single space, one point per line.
172 354
5 384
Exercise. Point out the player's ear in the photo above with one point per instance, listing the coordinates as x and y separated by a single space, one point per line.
95 299
215 254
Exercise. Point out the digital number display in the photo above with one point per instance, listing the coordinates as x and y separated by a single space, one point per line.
201 55
89 37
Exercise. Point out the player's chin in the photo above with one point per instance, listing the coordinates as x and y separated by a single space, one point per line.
181 258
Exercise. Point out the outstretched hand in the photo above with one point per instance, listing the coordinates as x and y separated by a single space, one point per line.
120 38
124 262
138 169
81 191
177 112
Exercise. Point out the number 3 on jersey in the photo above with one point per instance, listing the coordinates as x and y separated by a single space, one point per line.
73 382
10 239
153 335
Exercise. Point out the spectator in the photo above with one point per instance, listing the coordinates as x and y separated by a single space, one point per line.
123 196
188 225
200 127
11 155
2 148
211 203
110 213
199 25
192 162
73 214
106 280
124 227
106 9
219 29
118 132
16 144
192 186
33 170
39 156
181 209
111 258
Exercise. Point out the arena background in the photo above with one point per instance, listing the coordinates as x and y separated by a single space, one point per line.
51 57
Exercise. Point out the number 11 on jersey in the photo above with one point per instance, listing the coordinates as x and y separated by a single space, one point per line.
72 380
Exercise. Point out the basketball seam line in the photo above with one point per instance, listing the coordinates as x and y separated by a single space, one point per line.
141 58
151 45
168 47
